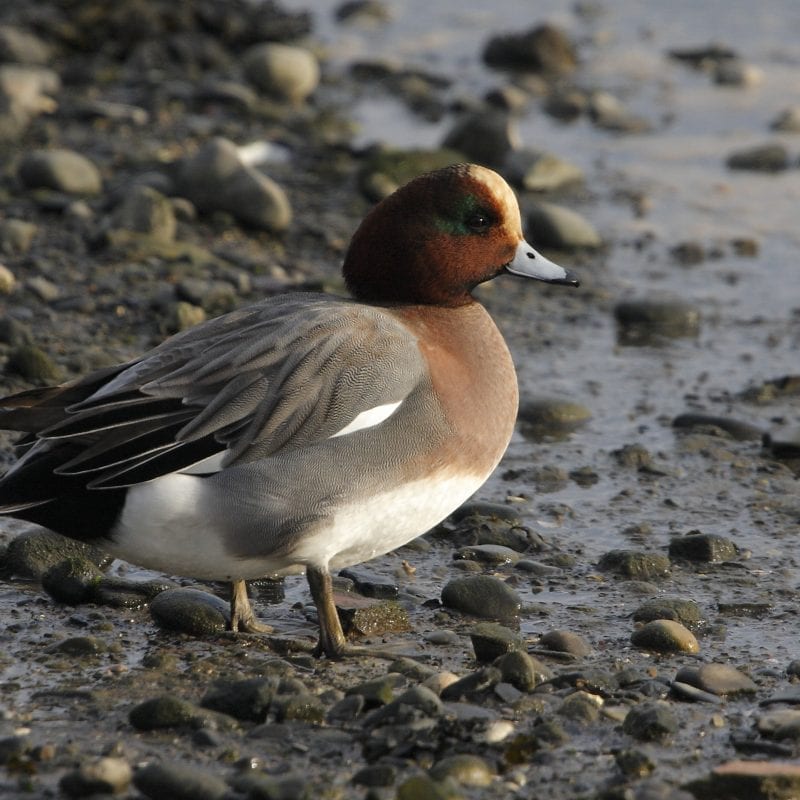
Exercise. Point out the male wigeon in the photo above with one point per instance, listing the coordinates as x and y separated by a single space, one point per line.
306 431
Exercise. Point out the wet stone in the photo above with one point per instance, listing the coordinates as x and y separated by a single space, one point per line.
247 699
636 565
706 547
749 780
378 691
741 431
79 647
62 170
422 787
665 636
376 775
491 640
13 748
492 554
268 787
551 416
566 642
482 596
100 776
544 48
72 581
561 228
145 210
166 711
645 321
285 72
362 616
370 584
121 593
650 722
464 769
780 724
179 782
33 364
472 685
687 612
580 707
718 679
418 701
609 113
303 707
772 157
522 671
190 611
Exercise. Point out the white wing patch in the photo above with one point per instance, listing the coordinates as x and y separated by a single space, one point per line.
369 418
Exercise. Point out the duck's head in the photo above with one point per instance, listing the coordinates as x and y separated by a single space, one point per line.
439 236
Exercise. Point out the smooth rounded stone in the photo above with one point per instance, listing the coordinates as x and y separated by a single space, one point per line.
72 581
33 553
787 121
443 638
282 71
486 137
412 669
522 671
214 297
248 699
551 416
440 681
580 707
645 320
33 364
22 47
100 776
378 691
414 702
491 640
749 780
304 707
688 254
482 596
473 684
741 431
375 775
718 679
370 584
145 210
561 228
772 157
182 316
8 282
179 782
24 94
686 691
16 236
346 709
44 289
545 48
706 547
422 787
166 711
650 722
368 12
79 647
609 113
62 170
215 179
465 769
566 642
665 636
635 564
535 171
679 609
780 723
190 611
480 512
492 554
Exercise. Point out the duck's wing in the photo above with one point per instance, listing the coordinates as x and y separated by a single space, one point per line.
286 373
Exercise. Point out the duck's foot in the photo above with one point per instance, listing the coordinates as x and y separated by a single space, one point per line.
242 617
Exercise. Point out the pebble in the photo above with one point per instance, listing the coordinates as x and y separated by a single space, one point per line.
581 707
369 12
22 47
362 616
179 782
33 553
7 281
522 671
248 699
24 94
736 429
491 640
162 712
482 596
422 787
282 71
551 416
378 691
718 679
679 609
99 776
486 137
145 210
647 320
705 547
376 775
472 685
735 72
465 769
370 584
33 364
650 722
636 565
72 581
190 611
62 170
787 121
773 157
215 179
535 171
749 780
608 112
545 48
416 701
16 236
493 554
183 315
566 642
665 636
561 228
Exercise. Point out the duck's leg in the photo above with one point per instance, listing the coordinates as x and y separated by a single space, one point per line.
242 617
331 636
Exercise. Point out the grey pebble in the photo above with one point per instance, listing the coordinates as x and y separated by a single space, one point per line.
482 596
705 547
545 48
147 211
248 699
561 228
551 416
465 769
371 584
772 157
285 72
179 782
416 701
650 721
579 707
99 776
257 786
492 554
166 711
610 113
665 636
491 640
378 691
72 580
647 320
16 235
682 610
566 642
522 671
686 691
787 121
535 171
32 553
215 179
718 679
741 431
376 775
472 685
20 46
635 564
61 170
487 137
190 611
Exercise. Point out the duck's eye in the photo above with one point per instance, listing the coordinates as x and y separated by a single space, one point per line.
479 221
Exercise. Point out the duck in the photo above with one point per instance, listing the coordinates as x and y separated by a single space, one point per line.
305 432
